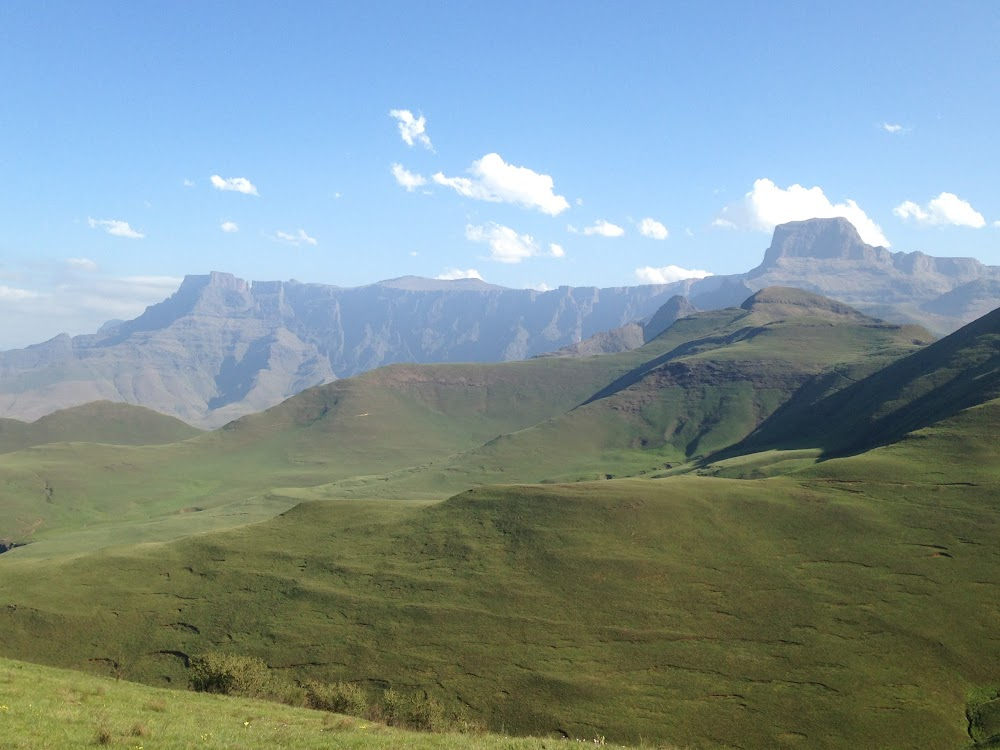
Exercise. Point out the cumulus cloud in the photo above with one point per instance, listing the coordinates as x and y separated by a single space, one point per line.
601 228
891 127
653 229
453 274
945 210
82 264
229 226
412 129
668 274
768 205
506 245
234 184
295 238
556 251
542 287
496 181
407 179
116 227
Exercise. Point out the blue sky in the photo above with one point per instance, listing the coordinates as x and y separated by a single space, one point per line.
552 143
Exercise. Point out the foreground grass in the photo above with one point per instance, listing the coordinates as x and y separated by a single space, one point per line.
42 707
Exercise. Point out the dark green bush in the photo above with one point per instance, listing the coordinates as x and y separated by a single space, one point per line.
231 674
339 697
411 712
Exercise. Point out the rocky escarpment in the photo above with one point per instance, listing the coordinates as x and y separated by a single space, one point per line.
221 347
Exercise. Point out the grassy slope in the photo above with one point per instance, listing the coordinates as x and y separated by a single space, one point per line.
716 382
380 421
850 605
954 373
97 422
54 709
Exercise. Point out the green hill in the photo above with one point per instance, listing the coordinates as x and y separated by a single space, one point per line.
374 531
840 607
959 371
97 422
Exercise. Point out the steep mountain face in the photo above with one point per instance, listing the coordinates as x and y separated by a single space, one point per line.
221 347
827 256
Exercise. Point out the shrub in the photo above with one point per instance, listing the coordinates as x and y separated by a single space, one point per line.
230 674
339 697
411 712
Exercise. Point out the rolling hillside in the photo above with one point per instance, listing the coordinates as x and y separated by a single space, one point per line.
845 602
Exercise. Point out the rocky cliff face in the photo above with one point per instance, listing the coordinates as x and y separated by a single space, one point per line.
827 256
221 347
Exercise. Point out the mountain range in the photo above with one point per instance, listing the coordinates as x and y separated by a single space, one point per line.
221 347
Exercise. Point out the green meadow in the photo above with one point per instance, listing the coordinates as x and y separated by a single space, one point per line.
773 526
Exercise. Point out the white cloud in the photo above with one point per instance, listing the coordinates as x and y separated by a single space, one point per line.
767 205
601 228
653 229
229 226
452 274
295 238
688 232
407 179
890 127
412 129
496 181
9 293
506 245
188 183
556 251
997 223
116 227
543 287
234 184
83 264
945 210
668 274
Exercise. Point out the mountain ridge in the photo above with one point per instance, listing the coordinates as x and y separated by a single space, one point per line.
221 347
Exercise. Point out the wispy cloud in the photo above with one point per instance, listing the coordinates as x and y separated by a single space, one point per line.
9 293
234 184
188 183
892 127
453 274
668 274
768 205
82 264
945 210
412 129
295 238
229 227
556 251
601 228
115 227
653 229
496 181
74 299
407 179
